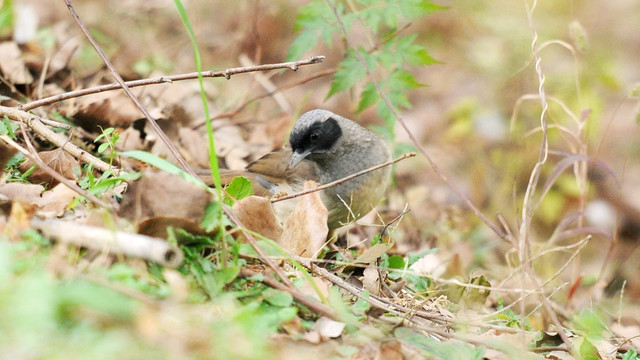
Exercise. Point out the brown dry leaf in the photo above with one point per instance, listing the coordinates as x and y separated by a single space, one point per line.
306 230
196 148
61 58
235 158
58 160
57 199
631 332
371 279
257 214
228 137
12 65
391 350
19 217
112 108
373 253
130 139
28 193
158 193
313 337
6 153
322 285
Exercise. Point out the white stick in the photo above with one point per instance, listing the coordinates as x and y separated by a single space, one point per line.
116 242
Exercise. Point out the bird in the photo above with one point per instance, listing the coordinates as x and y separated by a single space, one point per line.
324 147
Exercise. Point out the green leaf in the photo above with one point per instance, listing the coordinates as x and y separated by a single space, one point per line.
279 298
588 351
412 9
103 147
361 305
403 80
396 262
212 216
368 97
431 347
350 71
301 44
413 54
314 21
590 322
342 311
239 188
631 355
7 127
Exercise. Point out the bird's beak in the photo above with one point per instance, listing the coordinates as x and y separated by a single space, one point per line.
297 157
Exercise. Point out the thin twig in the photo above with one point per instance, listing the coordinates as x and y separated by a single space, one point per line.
36 159
340 181
226 73
35 123
414 140
286 86
174 151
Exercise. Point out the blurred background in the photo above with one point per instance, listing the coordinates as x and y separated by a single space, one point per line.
478 115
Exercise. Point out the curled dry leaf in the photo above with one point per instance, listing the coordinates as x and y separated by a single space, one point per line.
306 230
58 160
12 65
256 213
61 58
371 280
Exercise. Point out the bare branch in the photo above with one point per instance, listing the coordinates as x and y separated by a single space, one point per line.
340 181
226 73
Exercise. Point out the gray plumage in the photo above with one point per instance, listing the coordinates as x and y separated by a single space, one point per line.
325 147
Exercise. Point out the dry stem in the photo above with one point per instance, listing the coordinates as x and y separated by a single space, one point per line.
226 73
414 140
340 181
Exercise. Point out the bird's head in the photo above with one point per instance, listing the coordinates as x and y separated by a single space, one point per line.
315 133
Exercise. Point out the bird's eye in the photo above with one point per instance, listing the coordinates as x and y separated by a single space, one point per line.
314 136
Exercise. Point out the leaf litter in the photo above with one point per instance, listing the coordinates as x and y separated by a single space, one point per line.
189 322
